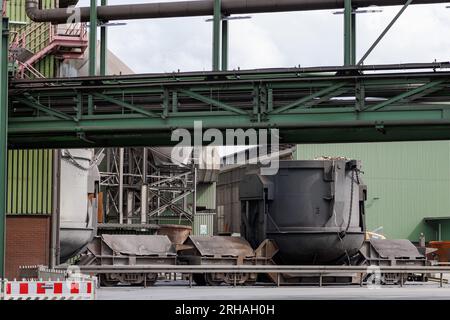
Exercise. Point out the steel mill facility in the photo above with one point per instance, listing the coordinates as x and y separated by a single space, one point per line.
316 177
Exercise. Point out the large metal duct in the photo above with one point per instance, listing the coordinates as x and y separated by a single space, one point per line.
198 8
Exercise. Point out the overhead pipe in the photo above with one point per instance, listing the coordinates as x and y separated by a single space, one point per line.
196 8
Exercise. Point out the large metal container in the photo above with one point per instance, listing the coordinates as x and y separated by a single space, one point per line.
176 233
443 250
313 210
78 212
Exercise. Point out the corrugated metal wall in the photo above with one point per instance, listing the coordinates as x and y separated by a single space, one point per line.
30 172
228 203
206 195
203 224
406 181
30 181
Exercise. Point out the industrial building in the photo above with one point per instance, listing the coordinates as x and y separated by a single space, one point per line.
90 177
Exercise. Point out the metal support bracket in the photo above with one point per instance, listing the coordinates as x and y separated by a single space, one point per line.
300 103
388 27
405 95
213 102
33 103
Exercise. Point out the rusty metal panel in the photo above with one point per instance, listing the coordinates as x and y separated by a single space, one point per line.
398 249
217 246
139 245
176 233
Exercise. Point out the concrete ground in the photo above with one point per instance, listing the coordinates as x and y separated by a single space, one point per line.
180 291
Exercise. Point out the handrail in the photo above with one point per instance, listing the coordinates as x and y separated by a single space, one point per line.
29 68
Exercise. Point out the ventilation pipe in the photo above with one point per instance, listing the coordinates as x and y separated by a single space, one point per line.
194 8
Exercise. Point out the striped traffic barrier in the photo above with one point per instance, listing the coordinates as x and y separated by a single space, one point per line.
48 290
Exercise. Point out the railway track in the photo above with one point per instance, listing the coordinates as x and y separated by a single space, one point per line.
278 271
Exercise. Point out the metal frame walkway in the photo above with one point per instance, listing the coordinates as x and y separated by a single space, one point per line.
334 104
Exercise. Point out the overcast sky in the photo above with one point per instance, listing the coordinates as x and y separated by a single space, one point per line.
309 38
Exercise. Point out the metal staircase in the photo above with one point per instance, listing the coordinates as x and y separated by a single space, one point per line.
35 41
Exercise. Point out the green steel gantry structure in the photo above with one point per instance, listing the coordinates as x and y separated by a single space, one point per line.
349 103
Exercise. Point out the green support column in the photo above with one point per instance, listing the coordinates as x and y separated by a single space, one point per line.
103 45
348 38
353 42
3 139
216 34
224 45
93 38
92 49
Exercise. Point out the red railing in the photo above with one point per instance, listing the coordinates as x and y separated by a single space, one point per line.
43 39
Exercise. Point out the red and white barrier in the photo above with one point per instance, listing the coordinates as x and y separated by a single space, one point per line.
48 290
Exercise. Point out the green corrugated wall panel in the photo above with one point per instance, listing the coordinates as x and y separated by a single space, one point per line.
30 171
174 220
406 182
203 224
206 195
30 181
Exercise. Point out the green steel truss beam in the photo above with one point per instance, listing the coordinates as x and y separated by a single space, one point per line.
407 94
130 106
326 97
32 103
300 102
213 102
317 106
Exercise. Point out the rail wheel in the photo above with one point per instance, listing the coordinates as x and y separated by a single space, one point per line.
240 278
199 279
211 279
150 279
391 278
106 281
134 279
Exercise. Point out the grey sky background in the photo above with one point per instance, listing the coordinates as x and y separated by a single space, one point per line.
312 38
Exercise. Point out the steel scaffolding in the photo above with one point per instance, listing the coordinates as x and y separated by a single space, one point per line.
139 189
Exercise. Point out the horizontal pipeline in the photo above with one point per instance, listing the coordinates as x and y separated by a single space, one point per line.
195 8
265 73
68 126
